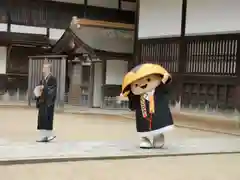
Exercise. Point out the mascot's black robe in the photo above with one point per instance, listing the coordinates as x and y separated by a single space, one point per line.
162 116
45 103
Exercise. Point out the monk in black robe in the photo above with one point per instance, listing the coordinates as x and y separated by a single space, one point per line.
45 104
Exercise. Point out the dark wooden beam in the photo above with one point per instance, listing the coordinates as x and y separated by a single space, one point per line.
22 38
182 53
130 0
48 32
182 64
137 51
184 16
85 8
9 16
119 4
91 87
237 88
104 72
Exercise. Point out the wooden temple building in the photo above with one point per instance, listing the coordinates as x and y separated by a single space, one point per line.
92 43
89 60
43 28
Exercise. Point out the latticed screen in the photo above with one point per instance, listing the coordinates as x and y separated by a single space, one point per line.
215 57
164 52
206 64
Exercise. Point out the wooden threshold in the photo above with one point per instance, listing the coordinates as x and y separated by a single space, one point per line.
104 24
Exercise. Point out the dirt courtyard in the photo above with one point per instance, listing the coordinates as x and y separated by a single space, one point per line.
20 125
214 167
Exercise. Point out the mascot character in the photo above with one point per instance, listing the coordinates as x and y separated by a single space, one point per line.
145 88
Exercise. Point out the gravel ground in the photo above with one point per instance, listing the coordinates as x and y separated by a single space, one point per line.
20 125
214 167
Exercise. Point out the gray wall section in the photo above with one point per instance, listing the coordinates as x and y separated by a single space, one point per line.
58 70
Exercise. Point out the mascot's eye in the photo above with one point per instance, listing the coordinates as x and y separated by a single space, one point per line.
136 85
148 79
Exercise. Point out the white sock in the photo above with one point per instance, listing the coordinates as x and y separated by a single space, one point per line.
48 133
42 134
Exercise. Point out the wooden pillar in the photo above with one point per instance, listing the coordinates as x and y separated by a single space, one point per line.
91 86
48 32
75 84
119 5
137 48
9 19
184 17
182 54
85 8
237 89
62 64
104 72
29 81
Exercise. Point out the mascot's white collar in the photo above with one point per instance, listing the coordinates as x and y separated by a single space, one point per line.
46 77
147 94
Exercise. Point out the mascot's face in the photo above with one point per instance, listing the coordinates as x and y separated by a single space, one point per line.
144 78
145 84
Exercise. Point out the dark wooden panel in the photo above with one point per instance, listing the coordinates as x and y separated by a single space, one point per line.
16 83
129 0
208 96
18 59
59 14
111 90
208 55
21 38
206 75
3 11
107 14
189 78
3 83
20 12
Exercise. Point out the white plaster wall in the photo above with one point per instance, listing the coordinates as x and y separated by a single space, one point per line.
115 71
3 59
212 16
28 29
55 34
104 3
3 27
97 87
159 18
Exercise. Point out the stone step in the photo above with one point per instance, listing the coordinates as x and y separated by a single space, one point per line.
24 152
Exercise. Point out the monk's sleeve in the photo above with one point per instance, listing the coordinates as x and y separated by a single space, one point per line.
50 91
133 100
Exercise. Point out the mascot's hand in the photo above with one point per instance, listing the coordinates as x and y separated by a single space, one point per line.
121 98
133 101
165 78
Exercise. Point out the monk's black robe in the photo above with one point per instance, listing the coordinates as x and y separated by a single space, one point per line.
45 103
161 117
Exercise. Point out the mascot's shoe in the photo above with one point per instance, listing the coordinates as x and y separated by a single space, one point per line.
145 143
43 140
51 138
46 139
158 141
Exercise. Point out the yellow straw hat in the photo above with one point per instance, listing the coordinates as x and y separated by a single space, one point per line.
142 71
